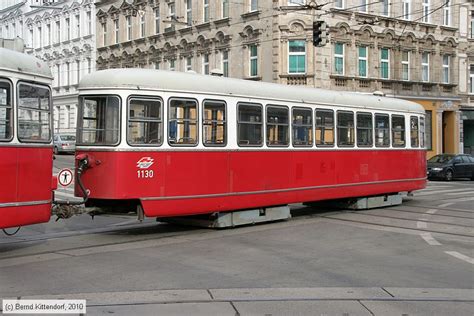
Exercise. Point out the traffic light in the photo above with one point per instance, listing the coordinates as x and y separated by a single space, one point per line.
320 35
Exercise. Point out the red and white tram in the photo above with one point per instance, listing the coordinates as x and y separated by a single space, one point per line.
178 144
26 152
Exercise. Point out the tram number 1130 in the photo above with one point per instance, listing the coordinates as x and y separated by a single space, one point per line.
144 174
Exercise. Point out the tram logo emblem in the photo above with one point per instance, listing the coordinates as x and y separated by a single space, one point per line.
145 162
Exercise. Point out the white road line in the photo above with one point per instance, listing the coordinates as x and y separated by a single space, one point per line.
421 224
446 204
443 191
460 193
431 211
456 200
430 239
460 256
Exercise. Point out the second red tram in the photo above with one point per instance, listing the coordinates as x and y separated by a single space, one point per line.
26 152
180 144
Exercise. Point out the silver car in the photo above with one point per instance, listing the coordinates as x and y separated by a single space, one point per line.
64 143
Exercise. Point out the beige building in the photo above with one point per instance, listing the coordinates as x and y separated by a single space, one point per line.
412 49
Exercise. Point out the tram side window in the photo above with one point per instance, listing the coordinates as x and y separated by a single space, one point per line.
144 121
5 111
99 120
277 126
302 126
345 128
182 128
398 131
249 124
214 123
422 132
324 128
414 133
364 129
382 130
34 120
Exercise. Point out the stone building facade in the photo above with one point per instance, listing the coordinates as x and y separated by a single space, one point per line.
411 49
62 34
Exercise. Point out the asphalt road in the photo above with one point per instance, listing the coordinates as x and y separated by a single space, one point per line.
416 258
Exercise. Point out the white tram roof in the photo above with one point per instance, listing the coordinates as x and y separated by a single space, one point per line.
24 64
151 79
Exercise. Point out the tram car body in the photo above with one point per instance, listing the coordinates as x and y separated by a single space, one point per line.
180 144
26 151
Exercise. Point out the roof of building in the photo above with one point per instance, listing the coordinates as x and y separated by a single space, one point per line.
190 82
23 63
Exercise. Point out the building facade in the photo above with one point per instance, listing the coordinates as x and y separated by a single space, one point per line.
411 49
62 34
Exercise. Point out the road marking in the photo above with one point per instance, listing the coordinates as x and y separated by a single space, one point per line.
430 239
460 256
431 211
443 191
460 193
456 200
421 224
446 204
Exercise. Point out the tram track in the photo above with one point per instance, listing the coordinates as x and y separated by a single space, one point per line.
437 214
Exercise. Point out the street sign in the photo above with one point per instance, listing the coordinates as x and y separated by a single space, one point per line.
65 177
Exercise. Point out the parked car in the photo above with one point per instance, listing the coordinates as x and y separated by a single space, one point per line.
449 166
64 143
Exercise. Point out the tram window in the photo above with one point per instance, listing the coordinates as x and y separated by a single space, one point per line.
422 132
144 121
249 124
302 126
382 130
34 120
414 133
182 128
345 128
277 126
214 123
99 120
398 131
324 128
5 111
364 129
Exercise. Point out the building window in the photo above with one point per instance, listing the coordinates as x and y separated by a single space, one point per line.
324 128
225 63
253 5
339 58
104 33
206 11
277 126
157 20
472 26
116 27
428 130
183 127
384 63
48 34
40 36
225 9
471 79
249 124
446 62
172 65
89 22
363 66
447 13
68 29
386 7
345 128
67 73
77 19
398 131
145 122
189 63
58 77
364 130
405 65
406 9
142 25
426 11
129 28
214 123
363 6
253 60
32 38
58 32
189 12
339 4
302 127
89 65
425 67
296 2
297 57
78 71
205 64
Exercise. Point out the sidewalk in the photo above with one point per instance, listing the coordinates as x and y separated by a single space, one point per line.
279 301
